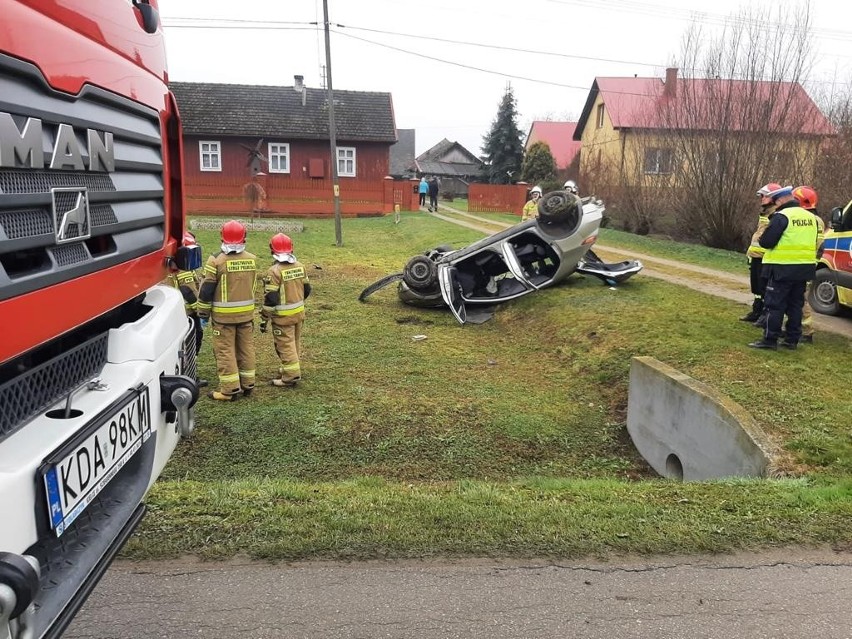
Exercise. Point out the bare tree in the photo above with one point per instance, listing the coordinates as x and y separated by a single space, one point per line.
832 177
736 119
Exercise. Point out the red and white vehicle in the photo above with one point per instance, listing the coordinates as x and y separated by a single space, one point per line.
97 360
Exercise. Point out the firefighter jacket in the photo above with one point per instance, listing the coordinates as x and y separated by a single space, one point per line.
227 292
791 243
755 250
530 210
187 283
285 288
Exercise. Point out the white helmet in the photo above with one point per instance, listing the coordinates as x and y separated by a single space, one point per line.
536 189
571 187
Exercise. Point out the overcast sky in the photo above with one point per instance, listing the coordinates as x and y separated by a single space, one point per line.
443 88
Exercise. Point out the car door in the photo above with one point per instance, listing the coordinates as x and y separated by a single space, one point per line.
514 265
451 291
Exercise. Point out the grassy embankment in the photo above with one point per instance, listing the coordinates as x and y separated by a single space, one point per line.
505 439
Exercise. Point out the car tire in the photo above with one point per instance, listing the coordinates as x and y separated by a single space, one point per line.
420 273
822 294
560 207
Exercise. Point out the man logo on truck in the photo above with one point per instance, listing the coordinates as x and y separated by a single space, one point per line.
25 148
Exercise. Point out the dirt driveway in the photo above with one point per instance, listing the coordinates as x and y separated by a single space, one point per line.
712 282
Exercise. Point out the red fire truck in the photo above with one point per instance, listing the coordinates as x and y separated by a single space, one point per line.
97 360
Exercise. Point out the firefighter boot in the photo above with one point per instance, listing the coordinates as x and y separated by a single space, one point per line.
222 397
756 311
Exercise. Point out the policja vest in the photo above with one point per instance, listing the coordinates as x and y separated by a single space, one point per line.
798 242
235 276
288 280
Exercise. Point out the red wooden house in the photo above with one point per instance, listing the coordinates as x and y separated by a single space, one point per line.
266 148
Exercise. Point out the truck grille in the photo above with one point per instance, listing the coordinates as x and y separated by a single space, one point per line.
40 245
188 355
26 395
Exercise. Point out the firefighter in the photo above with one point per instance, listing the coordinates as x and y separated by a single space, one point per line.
227 299
808 200
187 283
571 187
755 255
789 263
285 287
531 207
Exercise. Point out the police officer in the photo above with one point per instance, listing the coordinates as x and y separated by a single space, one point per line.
227 297
755 255
788 264
286 287
808 200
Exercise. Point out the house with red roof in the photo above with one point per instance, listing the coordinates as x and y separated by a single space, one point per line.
644 131
559 136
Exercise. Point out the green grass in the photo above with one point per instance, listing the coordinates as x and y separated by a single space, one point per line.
506 438
728 261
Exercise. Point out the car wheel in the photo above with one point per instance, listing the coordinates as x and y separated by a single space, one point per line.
420 273
823 293
559 207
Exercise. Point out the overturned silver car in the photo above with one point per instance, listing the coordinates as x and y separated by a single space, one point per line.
519 260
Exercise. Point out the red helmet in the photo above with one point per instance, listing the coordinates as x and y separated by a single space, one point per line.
806 196
189 239
233 232
764 191
281 243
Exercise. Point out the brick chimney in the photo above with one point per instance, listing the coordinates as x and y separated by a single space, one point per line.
299 87
670 88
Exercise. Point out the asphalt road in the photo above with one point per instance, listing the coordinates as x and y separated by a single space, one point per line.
783 595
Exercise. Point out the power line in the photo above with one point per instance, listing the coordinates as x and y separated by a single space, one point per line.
275 25
459 64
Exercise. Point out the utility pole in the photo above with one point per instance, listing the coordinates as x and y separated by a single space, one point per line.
332 132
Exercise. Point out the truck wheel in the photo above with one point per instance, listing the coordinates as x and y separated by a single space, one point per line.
420 273
559 207
822 295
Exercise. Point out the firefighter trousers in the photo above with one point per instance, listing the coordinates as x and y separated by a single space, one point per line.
288 346
233 347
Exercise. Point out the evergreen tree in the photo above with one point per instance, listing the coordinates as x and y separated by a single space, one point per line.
502 146
539 165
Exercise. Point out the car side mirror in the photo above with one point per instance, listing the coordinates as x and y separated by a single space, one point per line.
150 16
188 258
836 216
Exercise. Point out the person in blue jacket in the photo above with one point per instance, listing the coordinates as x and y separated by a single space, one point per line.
423 189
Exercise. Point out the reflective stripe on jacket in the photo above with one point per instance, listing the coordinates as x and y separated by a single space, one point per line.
284 299
798 242
755 249
227 293
187 283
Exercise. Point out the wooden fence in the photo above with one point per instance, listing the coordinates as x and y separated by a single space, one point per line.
497 198
272 195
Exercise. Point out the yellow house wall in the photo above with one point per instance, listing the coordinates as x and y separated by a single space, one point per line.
616 157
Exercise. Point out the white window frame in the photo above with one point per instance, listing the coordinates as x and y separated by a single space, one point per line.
276 151
343 169
215 151
661 161
600 116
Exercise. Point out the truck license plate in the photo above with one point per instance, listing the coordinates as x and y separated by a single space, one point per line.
73 480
